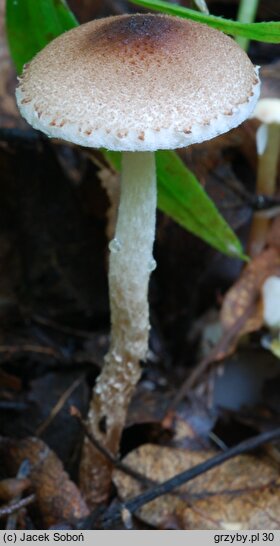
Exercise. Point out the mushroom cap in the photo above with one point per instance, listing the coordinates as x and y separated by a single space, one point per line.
138 83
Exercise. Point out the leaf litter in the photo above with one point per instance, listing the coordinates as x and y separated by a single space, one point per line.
242 493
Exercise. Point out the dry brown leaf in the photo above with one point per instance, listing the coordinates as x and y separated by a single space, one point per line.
12 487
244 491
273 238
241 313
245 292
57 498
242 306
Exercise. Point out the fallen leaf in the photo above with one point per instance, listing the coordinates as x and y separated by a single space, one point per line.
242 309
12 487
273 238
57 497
244 491
246 290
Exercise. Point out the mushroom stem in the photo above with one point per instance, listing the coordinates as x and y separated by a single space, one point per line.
130 266
266 185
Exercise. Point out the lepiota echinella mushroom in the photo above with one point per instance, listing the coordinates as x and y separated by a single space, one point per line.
135 83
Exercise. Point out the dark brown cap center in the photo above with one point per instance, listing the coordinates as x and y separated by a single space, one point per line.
135 29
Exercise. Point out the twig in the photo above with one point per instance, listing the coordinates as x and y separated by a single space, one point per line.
29 348
9 350
23 472
11 508
61 328
59 405
166 487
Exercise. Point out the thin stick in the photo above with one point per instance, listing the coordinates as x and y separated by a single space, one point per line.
61 328
23 472
11 508
59 405
29 348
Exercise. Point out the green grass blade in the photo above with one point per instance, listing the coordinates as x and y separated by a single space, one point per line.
181 197
44 21
21 38
264 32
32 24
66 17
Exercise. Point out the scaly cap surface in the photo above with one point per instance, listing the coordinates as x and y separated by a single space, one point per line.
138 83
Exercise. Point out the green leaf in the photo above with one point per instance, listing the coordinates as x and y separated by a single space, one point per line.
21 39
264 32
114 159
32 24
66 17
181 197
45 18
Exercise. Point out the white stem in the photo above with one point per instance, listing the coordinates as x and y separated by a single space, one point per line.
130 266
266 185
131 259
268 161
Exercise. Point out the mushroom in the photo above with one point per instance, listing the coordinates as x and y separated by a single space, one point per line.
271 314
271 302
135 83
267 112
